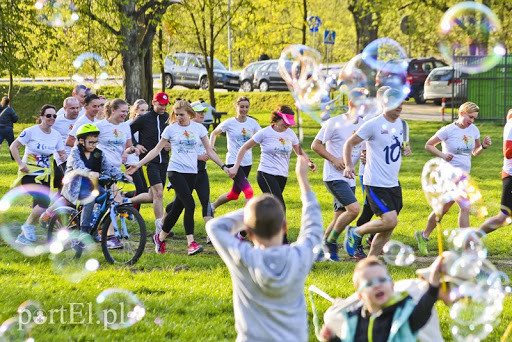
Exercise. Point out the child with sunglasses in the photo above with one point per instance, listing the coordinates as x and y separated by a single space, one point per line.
385 315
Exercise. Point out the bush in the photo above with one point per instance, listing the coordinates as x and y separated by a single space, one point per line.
28 99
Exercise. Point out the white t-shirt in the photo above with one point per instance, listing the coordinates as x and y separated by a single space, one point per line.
112 140
63 126
276 148
132 158
333 134
39 146
507 135
81 121
361 165
185 141
238 133
61 112
459 142
384 140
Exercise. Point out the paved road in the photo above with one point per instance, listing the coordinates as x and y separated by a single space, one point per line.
424 112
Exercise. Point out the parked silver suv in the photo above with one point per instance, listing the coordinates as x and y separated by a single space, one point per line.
188 69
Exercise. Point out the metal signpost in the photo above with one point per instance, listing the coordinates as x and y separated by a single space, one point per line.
314 23
329 38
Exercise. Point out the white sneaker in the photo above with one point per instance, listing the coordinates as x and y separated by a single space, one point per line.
158 225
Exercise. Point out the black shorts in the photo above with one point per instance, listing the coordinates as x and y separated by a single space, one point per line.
58 174
157 173
40 198
383 200
506 195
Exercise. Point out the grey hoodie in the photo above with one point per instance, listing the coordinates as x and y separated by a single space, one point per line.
268 284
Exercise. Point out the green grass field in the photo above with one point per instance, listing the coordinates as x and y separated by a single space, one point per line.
191 297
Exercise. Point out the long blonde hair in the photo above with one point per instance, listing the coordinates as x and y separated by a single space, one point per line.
135 107
113 105
181 104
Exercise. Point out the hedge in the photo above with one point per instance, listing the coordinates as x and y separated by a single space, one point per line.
28 99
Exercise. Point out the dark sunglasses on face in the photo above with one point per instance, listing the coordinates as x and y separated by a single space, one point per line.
51 115
373 282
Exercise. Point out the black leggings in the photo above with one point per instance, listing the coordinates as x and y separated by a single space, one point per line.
183 184
272 184
202 188
140 182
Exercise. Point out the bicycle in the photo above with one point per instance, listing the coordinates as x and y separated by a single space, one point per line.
120 218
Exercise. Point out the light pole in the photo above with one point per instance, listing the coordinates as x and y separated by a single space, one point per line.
229 37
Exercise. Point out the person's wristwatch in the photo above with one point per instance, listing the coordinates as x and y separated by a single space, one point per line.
223 166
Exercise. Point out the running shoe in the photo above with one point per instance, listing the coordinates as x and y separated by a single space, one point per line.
208 241
422 242
333 250
158 225
352 240
29 231
114 243
194 248
45 218
359 253
22 240
369 239
159 245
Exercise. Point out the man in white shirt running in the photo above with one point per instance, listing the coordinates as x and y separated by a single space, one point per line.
92 108
384 137
79 93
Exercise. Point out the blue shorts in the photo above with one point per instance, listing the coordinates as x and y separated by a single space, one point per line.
342 192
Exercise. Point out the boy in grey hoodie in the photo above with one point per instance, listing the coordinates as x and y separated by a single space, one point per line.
268 279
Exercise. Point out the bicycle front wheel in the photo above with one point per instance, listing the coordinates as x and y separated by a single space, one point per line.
124 241
64 218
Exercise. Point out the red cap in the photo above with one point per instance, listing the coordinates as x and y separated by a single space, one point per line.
289 119
161 98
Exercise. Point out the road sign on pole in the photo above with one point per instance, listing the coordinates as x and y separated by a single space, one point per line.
329 37
314 23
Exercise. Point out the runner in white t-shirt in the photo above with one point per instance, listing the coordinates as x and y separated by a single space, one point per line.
333 134
92 107
504 216
460 140
238 130
277 142
115 139
384 137
79 93
184 136
40 142
64 124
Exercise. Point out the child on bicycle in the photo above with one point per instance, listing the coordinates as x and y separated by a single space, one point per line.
86 156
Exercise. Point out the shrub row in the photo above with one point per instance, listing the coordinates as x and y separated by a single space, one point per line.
28 99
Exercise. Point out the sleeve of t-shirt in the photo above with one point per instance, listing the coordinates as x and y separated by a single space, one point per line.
259 136
166 134
202 131
365 132
127 131
442 133
224 125
25 136
321 135
60 144
257 127
294 139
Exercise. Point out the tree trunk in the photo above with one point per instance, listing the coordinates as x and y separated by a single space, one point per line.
147 86
161 57
367 29
133 67
11 84
304 21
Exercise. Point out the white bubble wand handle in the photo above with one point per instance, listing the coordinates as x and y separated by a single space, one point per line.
321 293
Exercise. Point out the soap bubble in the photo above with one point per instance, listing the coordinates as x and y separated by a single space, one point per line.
470 37
73 255
398 254
321 253
18 206
14 330
90 69
31 313
57 13
385 54
119 308
467 242
464 267
470 333
79 187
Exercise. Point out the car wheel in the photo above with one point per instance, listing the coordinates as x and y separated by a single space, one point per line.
246 86
169 83
203 83
419 97
264 86
437 102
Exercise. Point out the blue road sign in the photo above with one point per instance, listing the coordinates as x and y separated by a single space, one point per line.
329 37
314 23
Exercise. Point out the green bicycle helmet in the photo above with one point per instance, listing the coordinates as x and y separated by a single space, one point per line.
86 130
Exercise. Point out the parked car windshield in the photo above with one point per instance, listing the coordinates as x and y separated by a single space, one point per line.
441 75
216 63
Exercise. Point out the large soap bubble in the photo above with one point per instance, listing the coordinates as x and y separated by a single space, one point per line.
90 69
57 13
470 35
119 308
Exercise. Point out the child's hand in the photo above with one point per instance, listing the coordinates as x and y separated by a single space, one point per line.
131 169
94 174
326 333
439 270
302 167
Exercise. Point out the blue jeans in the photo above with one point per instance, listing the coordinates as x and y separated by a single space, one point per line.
86 217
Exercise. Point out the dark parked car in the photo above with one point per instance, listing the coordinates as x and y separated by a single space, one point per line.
188 69
247 75
417 73
267 77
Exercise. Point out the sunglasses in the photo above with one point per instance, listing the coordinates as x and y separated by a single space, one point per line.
51 115
373 282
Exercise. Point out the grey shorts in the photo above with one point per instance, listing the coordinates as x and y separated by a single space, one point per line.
342 192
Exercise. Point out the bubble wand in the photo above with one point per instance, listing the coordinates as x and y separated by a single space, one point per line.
507 332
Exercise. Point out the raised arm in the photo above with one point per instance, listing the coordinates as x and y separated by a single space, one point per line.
149 157
213 136
430 146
